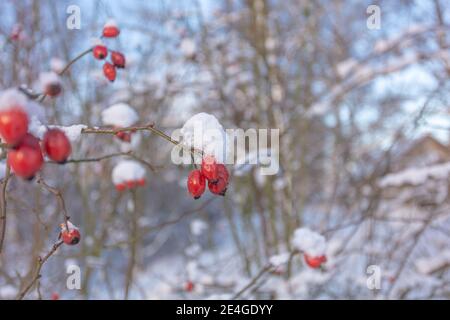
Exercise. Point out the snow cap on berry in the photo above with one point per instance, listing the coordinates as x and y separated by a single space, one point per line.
69 224
309 242
204 132
119 115
111 23
128 171
97 42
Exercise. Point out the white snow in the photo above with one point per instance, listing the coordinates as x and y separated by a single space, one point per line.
429 265
111 23
416 176
96 41
70 225
271 43
57 65
127 170
279 260
188 47
48 78
204 132
72 132
119 115
198 227
309 242
344 67
12 98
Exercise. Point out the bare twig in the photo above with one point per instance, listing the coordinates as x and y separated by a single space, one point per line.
4 184
37 274
252 281
149 127
60 198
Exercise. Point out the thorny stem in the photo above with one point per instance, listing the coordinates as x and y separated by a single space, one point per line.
4 184
37 275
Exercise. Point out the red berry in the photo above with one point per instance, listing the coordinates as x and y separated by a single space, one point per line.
110 31
57 145
118 59
16 33
219 186
209 168
124 136
70 237
53 89
100 52
25 160
55 296
120 187
315 262
141 182
13 125
30 141
109 71
196 183
189 286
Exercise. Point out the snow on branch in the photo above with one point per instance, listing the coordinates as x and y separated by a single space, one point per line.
415 176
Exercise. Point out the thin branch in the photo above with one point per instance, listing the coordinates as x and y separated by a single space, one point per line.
180 217
149 127
40 97
60 198
252 281
4 184
37 274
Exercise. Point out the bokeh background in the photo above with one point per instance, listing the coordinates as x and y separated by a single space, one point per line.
364 152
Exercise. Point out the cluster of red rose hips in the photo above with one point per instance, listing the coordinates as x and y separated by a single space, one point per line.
100 52
25 153
216 174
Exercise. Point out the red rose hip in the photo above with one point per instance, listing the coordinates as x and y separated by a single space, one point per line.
219 186
71 237
109 71
25 161
209 168
13 125
196 183
56 145
110 30
314 262
118 59
100 52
